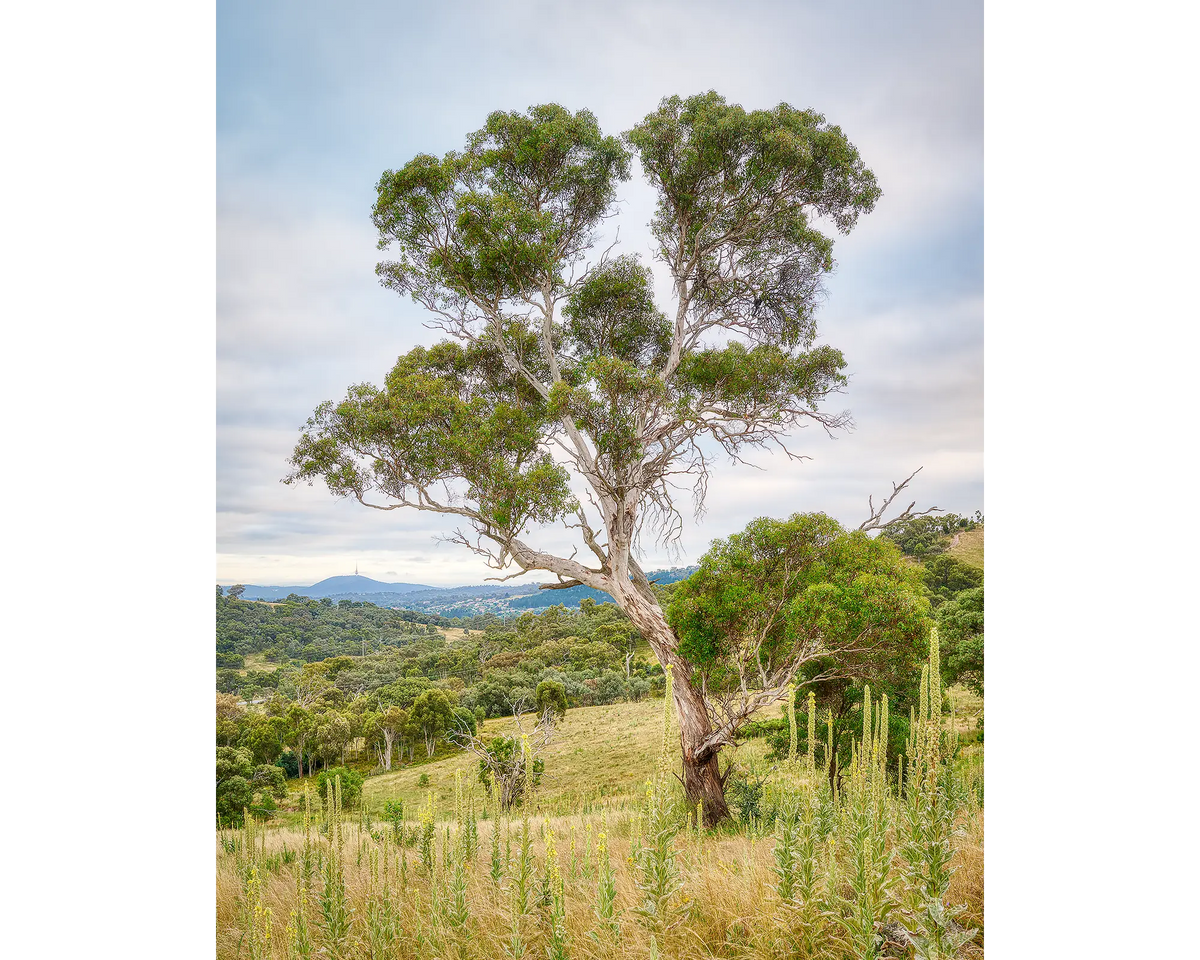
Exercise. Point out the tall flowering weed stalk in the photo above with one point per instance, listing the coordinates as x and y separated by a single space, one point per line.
556 908
791 716
608 928
797 853
258 918
383 921
866 825
520 888
426 840
657 874
335 905
496 871
929 809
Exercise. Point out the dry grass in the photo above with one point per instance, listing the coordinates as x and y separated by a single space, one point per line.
969 548
258 661
596 769
730 908
597 753
968 707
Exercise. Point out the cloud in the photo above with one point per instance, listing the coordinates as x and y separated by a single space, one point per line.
313 107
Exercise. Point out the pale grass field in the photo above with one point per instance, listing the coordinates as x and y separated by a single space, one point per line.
597 770
730 906
597 752
969 548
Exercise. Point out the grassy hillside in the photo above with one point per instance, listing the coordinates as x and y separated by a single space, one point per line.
721 887
596 752
969 548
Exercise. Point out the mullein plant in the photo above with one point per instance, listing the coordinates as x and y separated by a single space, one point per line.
791 715
447 851
574 860
796 859
866 821
556 908
426 836
929 809
299 938
587 850
520 885
308 857
383 922
258 918
522 876
458 910
811 755
335 906
657 873
609 928
497 866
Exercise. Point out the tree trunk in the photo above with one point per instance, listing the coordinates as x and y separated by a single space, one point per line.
702 782
387 751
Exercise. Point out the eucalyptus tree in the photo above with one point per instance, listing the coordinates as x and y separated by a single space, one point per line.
387 727
559 364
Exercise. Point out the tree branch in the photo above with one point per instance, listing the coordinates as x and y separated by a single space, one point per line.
876 522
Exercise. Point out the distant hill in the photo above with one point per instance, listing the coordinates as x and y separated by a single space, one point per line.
334 587
356 584
502 600
571 596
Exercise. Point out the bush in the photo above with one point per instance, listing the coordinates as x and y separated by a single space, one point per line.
423 780
230 661
351 784
233 796
745 789
289 763
763 728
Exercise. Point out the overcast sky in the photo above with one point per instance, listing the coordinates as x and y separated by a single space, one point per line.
314 103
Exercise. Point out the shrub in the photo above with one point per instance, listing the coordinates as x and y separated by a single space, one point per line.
289 763
352 782
763 728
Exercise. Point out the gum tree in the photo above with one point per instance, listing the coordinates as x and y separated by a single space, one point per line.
559 363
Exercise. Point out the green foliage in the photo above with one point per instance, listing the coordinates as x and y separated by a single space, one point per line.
289 763
432 715
242 785
743 185
230 661
745 789
550 697
924 537
352 782
787 593
764 728
945 577
960 624
464 721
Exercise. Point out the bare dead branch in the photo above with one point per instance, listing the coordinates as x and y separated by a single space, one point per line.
876 522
